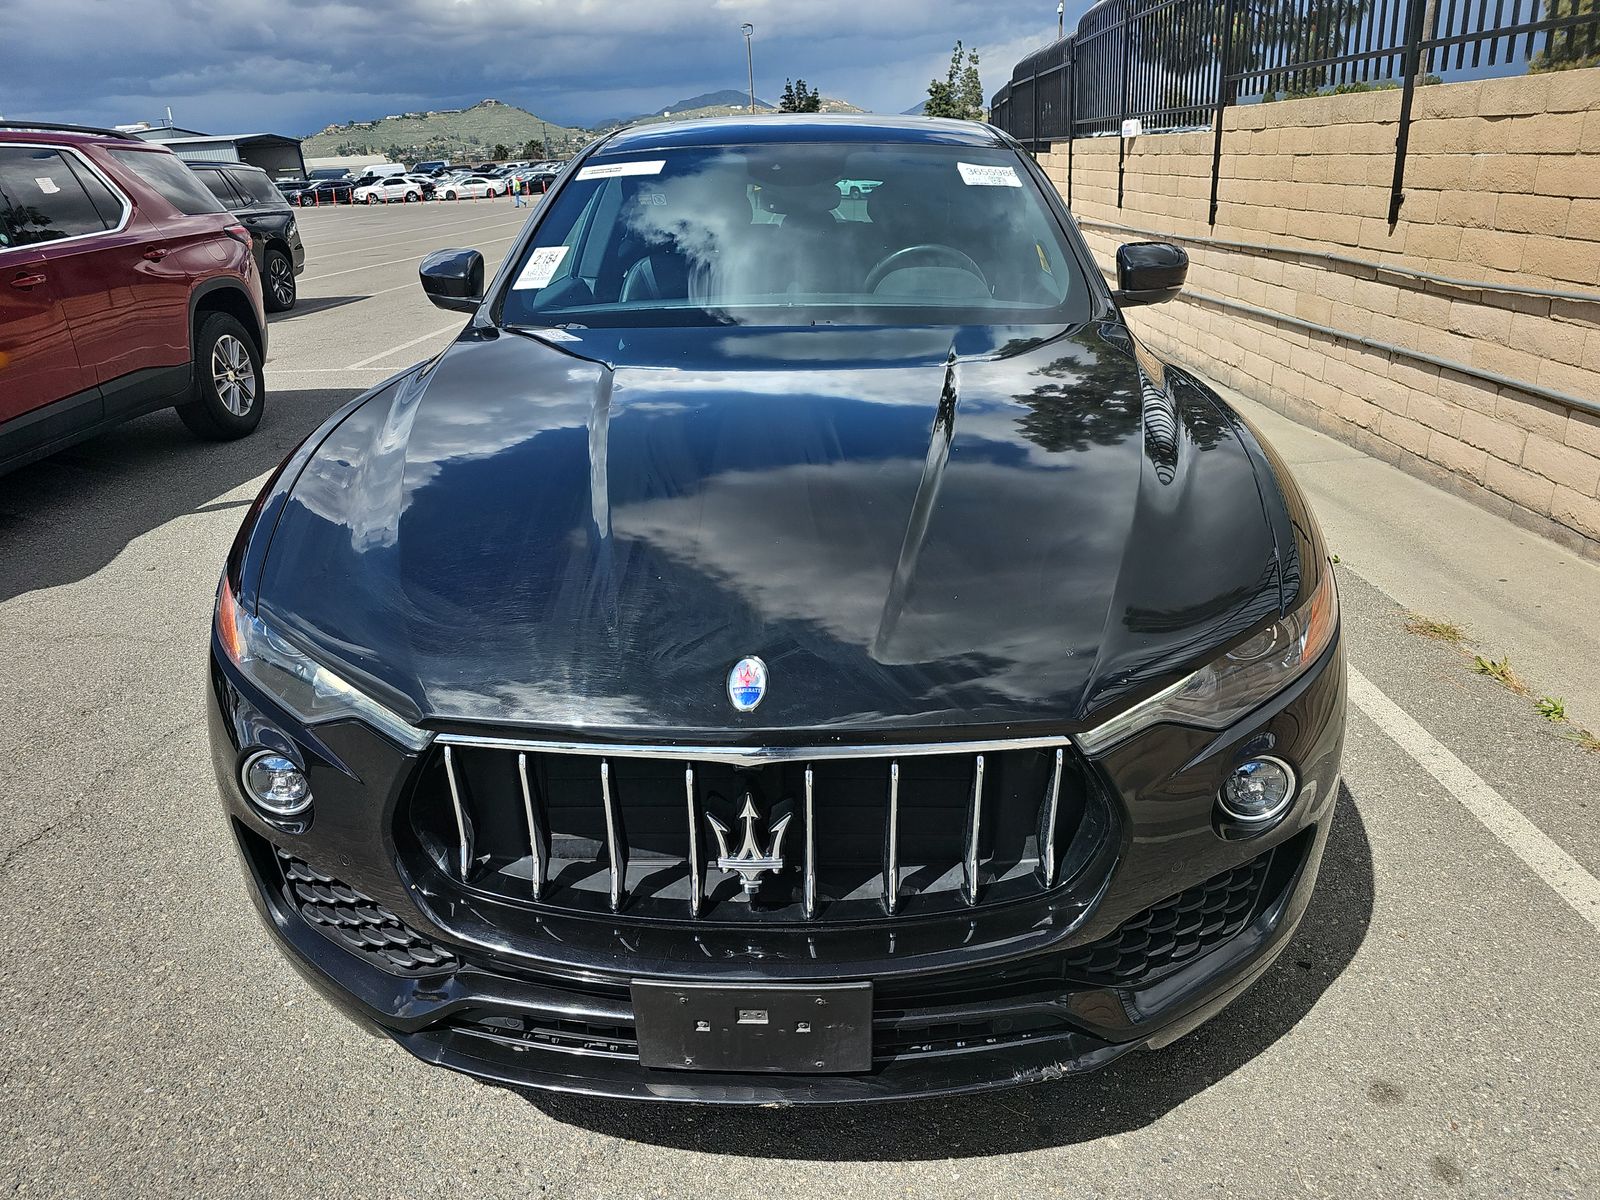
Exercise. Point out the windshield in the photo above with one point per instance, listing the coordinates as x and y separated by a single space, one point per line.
798 234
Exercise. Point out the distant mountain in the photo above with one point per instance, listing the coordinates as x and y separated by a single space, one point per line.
726 98
916 110
832 104
464 134
724 103
458 133
730 102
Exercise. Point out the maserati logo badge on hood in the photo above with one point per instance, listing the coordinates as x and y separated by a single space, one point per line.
747 683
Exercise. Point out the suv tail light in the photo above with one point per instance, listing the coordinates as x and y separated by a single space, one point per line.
238 233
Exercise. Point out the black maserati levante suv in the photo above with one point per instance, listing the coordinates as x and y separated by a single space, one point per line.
790 648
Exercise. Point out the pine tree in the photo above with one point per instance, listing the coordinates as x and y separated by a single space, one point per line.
790 101
1567 49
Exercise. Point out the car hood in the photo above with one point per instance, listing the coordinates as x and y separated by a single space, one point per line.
913 529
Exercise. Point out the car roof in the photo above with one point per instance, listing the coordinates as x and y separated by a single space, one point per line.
222 166
809 127
48 133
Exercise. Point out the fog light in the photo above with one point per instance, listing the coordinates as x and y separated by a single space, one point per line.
275 785
1258 790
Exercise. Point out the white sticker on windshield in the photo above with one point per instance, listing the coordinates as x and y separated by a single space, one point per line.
613 170
984 176
47 186
540 268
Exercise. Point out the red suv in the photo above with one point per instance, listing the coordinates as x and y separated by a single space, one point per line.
125 287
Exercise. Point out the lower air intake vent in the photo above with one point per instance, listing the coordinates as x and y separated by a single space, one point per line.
552 1033
1176 931
358 923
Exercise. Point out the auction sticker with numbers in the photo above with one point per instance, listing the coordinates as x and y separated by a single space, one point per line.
985 176
540 268
613 170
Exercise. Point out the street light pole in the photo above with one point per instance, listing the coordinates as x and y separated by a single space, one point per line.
1061 19
750 63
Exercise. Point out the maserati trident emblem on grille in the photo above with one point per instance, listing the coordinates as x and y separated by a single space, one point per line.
751 862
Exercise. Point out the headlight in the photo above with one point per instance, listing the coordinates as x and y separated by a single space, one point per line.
306 688
1228 687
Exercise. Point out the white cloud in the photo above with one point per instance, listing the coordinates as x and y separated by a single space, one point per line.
295 65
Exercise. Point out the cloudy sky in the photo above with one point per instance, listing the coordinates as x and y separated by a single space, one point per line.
292 66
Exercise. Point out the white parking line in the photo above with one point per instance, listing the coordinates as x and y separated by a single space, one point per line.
277 370
391 262
405 346
1522 837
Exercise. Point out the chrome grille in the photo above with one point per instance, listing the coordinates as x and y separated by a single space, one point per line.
766 834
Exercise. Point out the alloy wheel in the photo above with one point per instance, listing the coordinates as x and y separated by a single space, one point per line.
280 278
233 375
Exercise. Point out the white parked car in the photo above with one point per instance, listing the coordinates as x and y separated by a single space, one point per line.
475 186
384 190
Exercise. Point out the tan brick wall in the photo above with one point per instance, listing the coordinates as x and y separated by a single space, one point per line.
1502 186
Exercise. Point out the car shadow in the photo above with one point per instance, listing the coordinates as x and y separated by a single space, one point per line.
66 516
305 306
1127 1095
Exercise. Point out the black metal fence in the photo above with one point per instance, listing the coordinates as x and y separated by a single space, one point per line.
1177 64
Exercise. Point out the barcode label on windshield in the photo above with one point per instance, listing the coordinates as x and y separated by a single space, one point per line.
540 268
974 175
612 170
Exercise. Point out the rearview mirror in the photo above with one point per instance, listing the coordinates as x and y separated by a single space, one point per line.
1149 272
453 279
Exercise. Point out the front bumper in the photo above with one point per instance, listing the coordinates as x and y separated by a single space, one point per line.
548 1006
578 1041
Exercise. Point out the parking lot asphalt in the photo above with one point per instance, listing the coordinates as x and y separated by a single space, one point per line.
1431 1031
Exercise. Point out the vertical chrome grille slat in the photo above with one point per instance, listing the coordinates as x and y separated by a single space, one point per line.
1047 850
891 848
614 847
974 829
694 841
538 847
809 896
463 822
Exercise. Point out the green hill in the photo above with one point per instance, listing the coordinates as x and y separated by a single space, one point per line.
447 133
726 98
472 133
830 104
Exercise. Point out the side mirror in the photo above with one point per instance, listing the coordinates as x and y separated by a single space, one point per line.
453 279
1149 272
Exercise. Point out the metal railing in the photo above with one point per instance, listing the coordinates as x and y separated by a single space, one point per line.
1178 64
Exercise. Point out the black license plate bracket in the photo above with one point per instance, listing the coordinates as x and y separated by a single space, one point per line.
792 1029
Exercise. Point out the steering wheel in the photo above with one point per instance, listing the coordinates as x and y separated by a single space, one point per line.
926 250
